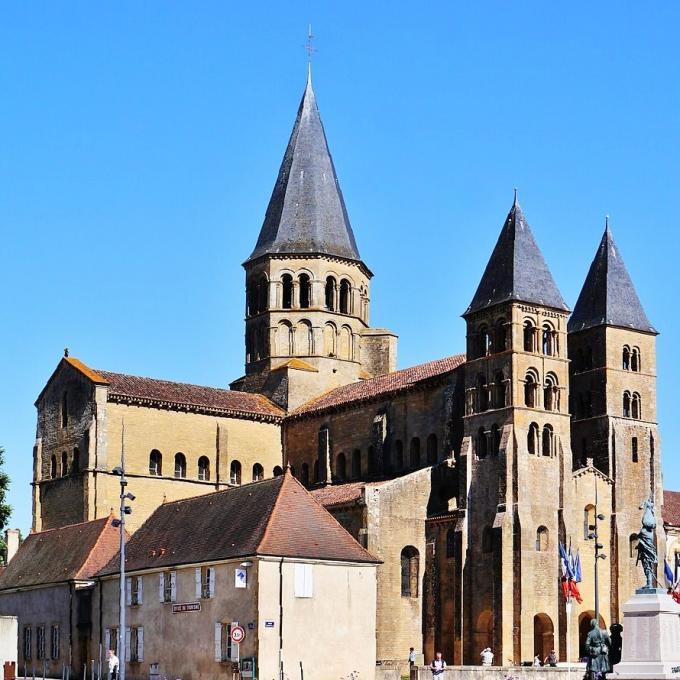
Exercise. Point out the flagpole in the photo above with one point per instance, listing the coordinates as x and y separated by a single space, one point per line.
568 639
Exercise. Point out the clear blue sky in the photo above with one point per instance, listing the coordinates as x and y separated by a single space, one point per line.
140 143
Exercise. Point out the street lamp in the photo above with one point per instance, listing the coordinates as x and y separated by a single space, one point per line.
593 536
120 523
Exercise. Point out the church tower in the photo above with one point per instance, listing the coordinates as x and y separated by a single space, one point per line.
307 288
516 449
612 345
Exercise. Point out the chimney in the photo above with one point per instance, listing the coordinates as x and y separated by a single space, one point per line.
12 542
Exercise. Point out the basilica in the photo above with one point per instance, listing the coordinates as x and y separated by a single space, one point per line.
460 476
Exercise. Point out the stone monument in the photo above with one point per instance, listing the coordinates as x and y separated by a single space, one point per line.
651 618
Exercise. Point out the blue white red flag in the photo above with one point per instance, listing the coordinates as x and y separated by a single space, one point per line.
668 573
578 574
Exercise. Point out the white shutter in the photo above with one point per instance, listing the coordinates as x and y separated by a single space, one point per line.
107 640
140 590
128 591
218 642
173 586
309 581
140 644
211 577
234 645
198 583
127 644
161 587
299 580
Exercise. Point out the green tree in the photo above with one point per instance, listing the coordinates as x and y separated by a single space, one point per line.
5 507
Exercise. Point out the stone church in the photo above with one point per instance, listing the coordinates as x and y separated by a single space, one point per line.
462 475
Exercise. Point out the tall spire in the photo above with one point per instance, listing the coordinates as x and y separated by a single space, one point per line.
608 296
516 269
306 212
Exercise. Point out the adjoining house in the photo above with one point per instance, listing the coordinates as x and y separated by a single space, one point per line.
264 561
48 585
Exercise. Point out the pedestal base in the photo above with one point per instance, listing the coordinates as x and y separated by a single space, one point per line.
651 638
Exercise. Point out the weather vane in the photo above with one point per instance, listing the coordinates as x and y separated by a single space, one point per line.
309 45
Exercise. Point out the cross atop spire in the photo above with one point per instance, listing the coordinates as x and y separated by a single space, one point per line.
310 49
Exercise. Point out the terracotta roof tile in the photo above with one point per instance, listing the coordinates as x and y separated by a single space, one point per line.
339 494
384 384
276 516
76 551
130 388
671 508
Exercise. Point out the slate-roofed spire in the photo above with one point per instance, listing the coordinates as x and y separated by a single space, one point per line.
306 212
516 269
608 296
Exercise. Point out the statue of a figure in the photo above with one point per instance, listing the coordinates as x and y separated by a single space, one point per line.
646 550
615 631
597 647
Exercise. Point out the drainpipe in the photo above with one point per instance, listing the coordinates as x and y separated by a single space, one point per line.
281 676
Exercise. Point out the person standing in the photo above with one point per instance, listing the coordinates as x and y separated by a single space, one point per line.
537 661
438 665
411 658
487 656
113 665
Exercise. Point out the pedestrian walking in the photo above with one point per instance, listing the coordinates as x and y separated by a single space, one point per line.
411 657
113 665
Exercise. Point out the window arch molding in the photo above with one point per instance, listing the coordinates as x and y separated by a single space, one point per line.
542 539
529 335
180 465
531 388
204 469
155 463
410 568
551 393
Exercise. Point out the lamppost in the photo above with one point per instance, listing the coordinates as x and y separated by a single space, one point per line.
120 523
593 536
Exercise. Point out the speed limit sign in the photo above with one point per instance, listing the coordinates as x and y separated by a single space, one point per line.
238 634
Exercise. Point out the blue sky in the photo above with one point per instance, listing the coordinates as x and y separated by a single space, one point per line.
141 142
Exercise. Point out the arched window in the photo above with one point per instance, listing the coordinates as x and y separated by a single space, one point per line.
432 453
487 540
636 411
634 449
250 345
532 439
180 466
541 539
501 339
345 292
287 291
303 338
204 469
305 291
284 334
626 404
529 333
588 520
53 467
330 340
482 394
410 565
626 358
372 463
635 362
551 393
64 464
258 472
549 340
501 390
398 455
252 298
330 291
235 472
155 463
341 467
450 543
548 441
345 343
482 444
304 474
64 409
356 464
530 388
75 464
632 545
277 471
495 440
484 341
415 453
263 294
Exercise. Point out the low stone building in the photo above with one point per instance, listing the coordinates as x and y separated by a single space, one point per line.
266 557
48 585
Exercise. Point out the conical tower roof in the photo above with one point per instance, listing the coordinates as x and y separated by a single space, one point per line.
306 212
608 296
516 270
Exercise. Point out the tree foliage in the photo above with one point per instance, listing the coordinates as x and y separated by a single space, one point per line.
5 507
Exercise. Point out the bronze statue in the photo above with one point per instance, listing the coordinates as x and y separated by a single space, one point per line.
646 548
597 647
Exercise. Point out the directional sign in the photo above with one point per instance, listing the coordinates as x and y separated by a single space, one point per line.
238 634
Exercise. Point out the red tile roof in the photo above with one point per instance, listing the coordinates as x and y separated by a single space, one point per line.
339 494
276 517
671 508
73 552
133 389
382 385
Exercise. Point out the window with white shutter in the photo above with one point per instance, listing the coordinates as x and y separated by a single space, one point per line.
198 582
140 644
205 582
211 581
161 587
128 591
173 586
140 590
304 586
218 642
168 586
127 644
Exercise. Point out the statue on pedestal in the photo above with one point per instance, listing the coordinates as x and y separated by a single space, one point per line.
597 646
646 548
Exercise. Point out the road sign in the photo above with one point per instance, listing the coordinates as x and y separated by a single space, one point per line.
238 634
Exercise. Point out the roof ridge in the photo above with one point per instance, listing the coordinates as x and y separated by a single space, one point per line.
287 473
67 526
217 491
